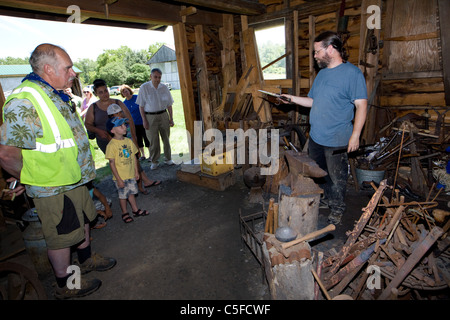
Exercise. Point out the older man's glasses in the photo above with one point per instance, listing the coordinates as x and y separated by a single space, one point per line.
317 51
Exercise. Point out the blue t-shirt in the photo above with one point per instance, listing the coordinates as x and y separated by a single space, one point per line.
333 92
134 110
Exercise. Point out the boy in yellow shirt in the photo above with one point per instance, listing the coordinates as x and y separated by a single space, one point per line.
120 152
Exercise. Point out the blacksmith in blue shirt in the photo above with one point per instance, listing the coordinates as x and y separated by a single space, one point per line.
338 102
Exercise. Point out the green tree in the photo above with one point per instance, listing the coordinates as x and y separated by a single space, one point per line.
114 73
112 55
12 60
269 52
123 65
88 67
133 57
139 73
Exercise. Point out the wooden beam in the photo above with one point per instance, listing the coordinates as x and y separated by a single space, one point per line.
411 75
184 72
415 37
256 78
444 21
368 135
289 45
144 12
240 90
202 77
296 74
314 8
276 60
188 11
228 55
231 6
2 102
312 35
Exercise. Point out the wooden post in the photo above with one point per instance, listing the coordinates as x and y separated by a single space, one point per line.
226 35
296 77
444 21
203 82
370 72
312 35
184 72
256 77
2 102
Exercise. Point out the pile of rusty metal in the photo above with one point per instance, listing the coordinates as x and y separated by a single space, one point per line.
397 250
410 152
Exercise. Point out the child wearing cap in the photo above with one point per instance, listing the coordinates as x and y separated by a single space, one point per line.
120 152
115 110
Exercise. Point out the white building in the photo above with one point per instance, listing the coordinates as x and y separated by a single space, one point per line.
166 60
11 76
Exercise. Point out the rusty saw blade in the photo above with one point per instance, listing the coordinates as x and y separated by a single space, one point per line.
279 96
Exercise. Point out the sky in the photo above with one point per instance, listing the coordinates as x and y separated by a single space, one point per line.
20 36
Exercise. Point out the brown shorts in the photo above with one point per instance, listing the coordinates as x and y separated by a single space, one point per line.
63 217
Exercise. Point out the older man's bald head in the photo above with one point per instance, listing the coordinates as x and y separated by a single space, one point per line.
53 64
43 54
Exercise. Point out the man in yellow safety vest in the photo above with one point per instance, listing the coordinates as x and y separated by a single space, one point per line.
44 144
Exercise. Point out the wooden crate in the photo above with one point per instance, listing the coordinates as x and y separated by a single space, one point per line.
219 182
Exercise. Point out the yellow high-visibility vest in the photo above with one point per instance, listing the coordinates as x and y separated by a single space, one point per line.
54 160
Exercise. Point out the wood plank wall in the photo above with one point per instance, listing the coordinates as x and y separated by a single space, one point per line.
406 72
409 69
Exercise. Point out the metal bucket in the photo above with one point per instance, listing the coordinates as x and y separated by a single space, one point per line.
369 176
35 244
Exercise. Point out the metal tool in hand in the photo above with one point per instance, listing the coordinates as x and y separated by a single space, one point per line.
279 96
362 149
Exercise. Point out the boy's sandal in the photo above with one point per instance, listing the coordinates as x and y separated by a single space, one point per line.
140 213
126 218
153 184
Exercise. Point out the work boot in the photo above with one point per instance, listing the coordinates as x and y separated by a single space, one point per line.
87 286
97 263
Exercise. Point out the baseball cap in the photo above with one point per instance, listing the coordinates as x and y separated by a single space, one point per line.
114 122
113 109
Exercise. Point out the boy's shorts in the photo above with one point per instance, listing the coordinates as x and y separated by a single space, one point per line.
63 217
131 187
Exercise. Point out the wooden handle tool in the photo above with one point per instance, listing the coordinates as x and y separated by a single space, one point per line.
309 236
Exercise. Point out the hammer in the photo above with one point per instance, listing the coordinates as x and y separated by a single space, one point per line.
281 247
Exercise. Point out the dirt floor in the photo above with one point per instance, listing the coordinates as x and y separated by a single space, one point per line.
189 247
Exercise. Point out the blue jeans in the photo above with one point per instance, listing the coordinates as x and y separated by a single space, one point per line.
335 183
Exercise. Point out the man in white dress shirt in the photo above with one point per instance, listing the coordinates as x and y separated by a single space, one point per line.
155 104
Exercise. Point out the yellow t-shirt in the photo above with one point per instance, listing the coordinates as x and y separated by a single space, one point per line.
123 152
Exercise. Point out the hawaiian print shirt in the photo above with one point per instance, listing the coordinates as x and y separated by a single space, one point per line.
22 125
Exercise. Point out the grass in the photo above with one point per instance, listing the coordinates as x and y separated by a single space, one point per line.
178 137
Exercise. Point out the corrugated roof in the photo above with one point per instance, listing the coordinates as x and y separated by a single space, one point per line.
20 70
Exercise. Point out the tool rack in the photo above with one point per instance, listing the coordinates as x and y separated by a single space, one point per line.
252 232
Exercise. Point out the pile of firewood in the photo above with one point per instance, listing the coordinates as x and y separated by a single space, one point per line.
397 250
